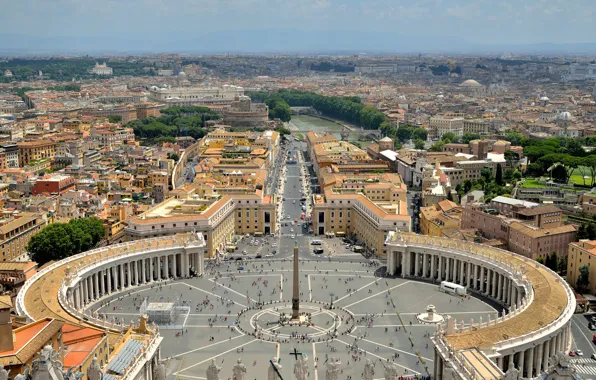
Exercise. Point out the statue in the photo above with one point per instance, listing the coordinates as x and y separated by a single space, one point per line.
333 370
239 371
369 370
271 373
213 371
391 371
301 367
159 371
24 375
512 374
3 373
94 370
559 360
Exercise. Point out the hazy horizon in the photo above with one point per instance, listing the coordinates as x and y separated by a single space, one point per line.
473 26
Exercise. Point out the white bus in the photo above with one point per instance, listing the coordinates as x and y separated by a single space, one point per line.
451 288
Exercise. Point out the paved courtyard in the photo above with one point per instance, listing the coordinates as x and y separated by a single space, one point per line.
363 317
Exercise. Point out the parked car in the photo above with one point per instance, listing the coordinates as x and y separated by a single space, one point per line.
579 352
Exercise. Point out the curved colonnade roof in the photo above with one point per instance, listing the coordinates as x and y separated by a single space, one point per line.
550 295
550 299
41 299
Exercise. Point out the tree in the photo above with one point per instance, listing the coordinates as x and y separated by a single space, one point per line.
510 156
60 240
515 138
487 174
174 156
448 137
404 133
517 175
551 261
437 147
419 144
115 118
499 175
467 186
583 280
420 133
582 231
469 136
540 260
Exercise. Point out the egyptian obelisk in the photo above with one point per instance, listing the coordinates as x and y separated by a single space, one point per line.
296 292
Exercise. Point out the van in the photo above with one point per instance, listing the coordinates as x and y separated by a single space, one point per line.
317 251
315 242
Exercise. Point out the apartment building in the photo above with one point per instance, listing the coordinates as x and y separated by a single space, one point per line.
15 233
440 219
30 151
56 184
528 229
439 125
579 254
363 206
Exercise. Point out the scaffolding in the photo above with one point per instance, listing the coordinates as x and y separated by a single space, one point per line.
160 312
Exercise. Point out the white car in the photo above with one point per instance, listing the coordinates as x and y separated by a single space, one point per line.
579 353
291 229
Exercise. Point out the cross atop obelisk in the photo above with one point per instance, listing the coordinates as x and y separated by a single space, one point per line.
296 291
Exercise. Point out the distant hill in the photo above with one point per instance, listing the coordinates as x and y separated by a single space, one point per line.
270 41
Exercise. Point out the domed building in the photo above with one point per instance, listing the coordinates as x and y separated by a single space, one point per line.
385 143
471 87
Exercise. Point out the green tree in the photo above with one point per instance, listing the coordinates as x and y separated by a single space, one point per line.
404 133
487 174
419 144
517 175
540 260
469 136
449 137
60 240
515 138
583 280
437 147
499 175
115 118
551 261
510 156
174 156
419 133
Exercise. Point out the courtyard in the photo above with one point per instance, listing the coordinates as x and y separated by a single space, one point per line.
234 310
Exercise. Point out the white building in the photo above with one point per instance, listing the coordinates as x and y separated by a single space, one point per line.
195 96
444 124
581 71
102 69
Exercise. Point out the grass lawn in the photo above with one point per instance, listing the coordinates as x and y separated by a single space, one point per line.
533 183
577 178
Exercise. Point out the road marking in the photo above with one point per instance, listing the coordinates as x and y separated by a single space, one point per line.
374 295
213 294
233 291
314 355
584 335
390 348
207 346
218 355
383 359
357 290
309 289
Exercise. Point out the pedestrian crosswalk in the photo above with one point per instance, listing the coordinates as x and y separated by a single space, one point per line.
582 361
585 369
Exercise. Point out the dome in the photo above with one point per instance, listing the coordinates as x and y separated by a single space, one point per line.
470 83
544 99
181 74
386 139
564 116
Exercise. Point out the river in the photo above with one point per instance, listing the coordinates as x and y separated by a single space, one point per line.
306 123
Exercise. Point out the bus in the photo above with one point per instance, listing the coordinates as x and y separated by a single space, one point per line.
451 288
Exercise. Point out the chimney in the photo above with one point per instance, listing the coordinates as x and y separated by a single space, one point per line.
6 335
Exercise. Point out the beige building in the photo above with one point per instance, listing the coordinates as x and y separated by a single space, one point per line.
15 233
581 253
200 209
35 150
363 206
446 123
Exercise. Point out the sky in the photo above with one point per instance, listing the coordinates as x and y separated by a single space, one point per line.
475 22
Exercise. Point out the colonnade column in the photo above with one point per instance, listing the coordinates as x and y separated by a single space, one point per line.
462 278
102 282
530 354
144 269
174 266
121 276
433 266
481 287
447 268
128 273
469 273
500 287
166 271
520 363
96 285
186 264
539 358
151 269
109 277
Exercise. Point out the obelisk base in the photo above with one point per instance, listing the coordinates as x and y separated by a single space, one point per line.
295 308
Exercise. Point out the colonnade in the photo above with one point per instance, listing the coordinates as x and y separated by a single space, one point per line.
146 267
490 281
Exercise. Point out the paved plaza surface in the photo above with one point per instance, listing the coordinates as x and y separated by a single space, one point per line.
209 327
